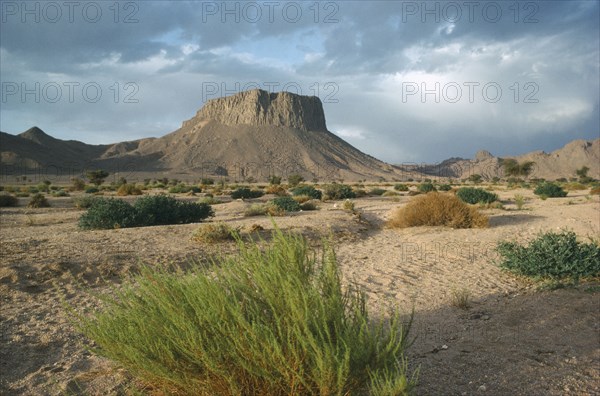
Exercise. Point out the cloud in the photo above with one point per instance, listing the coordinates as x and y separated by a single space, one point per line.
376 66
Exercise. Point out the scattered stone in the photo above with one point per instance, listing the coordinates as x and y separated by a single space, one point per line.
482 388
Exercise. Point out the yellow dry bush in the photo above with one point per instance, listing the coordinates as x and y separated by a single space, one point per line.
437 209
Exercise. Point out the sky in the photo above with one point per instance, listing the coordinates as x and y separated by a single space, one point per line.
404 81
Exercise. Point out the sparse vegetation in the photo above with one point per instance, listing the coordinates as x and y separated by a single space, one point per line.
475 195
337 191
549 190
214 232
38 201
274 180
295 179
445 187
302 334
128 189
256 210
77 184
401 187
436 209
84 201
552 255
7 200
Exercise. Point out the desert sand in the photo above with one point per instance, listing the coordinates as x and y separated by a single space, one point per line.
513 340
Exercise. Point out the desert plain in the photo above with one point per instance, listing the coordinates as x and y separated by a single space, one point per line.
514 337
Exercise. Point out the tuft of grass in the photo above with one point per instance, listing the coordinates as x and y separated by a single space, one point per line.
348 205
214 232
256 210
437 209
552 255
209 200
460 298
519 201
84 201
272 320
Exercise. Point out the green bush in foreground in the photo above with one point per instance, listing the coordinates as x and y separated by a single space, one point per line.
272 320
550 190
475 195
552 255
108 213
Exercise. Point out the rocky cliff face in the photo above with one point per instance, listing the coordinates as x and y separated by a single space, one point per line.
261 108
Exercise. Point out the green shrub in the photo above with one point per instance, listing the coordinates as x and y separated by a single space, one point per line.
162 210
377 191
445 187
337 191
552 255
213 232
307 190
401 187
273 320
22 194
32 190
109 213
38 201
77 184
91 190
7 200
550 190
147 211
426 187
288 204
519 201
246 193
207 181
476 195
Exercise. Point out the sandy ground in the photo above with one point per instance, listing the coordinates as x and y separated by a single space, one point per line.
513 340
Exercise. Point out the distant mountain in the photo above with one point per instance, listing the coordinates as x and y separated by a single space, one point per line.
561 163
254 133
257 134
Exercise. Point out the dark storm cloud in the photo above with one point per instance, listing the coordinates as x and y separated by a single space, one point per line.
176 53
